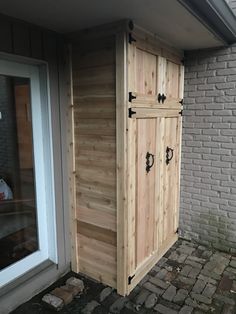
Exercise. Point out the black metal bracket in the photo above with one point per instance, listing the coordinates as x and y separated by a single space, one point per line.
169 154
131 38
181 112
130 278
177 231
161 98
131 112
181 102
131 97
148 164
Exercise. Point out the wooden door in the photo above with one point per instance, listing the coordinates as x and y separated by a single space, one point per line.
154 132
155 76
153 193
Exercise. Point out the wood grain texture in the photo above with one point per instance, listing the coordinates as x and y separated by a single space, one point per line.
95 156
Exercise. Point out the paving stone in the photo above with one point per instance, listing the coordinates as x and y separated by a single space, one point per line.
207 254
164 310
207 279
105 293
201 247
231 270
197 259
228 309
180 258
210 274
170 293
66 296
159 283
199 286
76 282
186 249
149 286
71 289
180 296
233 263
161 274
225 284
194 273
201 298
156 268
186 310
186 270
209 290
118 305
169 268
53 302
186 281
142 296
193 264
162 261
88 309
145 279
195 304
224 299
151 301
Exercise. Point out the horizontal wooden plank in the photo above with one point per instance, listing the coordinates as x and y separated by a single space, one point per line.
97 233
95 201
95 126
95 90
92 58
87 110
97 259
151 113
94 143
101 218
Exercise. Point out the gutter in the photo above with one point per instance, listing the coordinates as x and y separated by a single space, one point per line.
216 15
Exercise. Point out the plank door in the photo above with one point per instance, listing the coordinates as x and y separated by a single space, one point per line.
153 188
153 76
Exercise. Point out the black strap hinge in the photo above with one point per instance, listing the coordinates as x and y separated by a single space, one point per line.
131 38
131 97
181 112
181 102
130 278
177 231
131 112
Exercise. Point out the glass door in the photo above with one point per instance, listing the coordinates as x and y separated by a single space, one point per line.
25 189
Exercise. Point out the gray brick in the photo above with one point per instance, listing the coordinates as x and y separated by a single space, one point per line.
160 308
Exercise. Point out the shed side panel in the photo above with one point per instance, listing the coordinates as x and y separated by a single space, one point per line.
95 156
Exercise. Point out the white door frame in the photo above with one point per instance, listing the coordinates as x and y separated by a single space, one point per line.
43 166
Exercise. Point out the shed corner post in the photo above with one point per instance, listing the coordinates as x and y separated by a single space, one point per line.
121 160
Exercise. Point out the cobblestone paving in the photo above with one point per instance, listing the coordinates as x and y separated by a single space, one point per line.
188 279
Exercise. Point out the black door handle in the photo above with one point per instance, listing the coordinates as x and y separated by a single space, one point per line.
148 163
169 154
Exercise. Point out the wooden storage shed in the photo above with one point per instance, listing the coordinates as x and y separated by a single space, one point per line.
125 145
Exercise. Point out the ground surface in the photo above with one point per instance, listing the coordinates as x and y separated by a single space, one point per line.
188 279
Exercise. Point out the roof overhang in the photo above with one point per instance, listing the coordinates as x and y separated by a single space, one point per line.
184 24
216 15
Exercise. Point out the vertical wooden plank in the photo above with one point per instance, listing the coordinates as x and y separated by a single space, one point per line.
121 160
5 35
71 162
36 43
161 72
21 39
131 159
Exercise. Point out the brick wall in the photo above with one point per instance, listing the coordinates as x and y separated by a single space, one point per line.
208 188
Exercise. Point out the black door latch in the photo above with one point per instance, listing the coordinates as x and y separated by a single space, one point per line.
161 98
169 154
148 163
